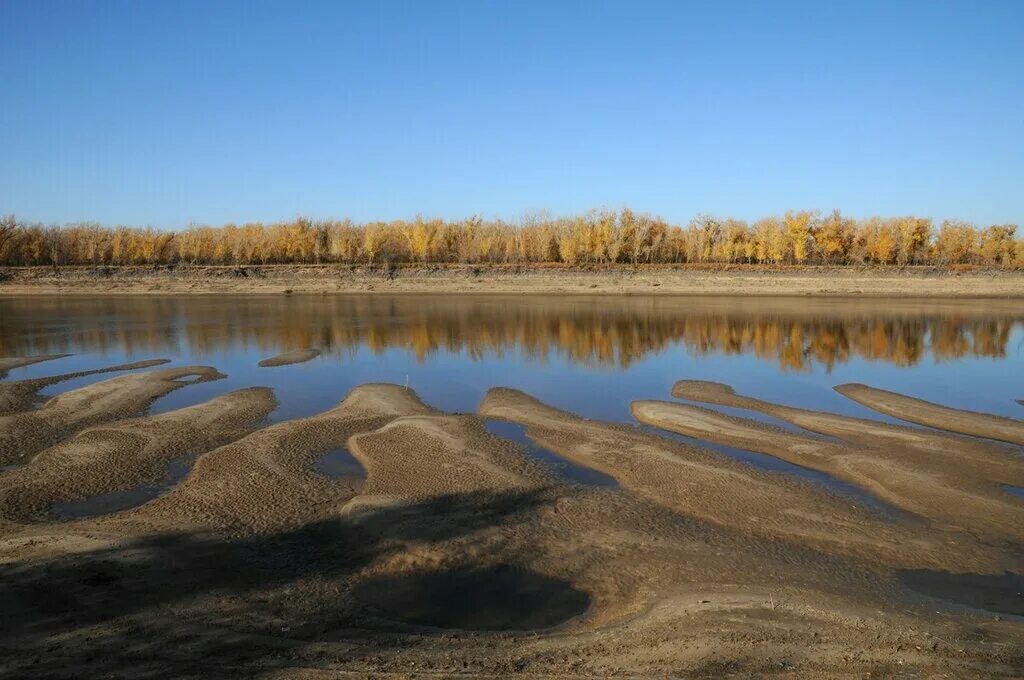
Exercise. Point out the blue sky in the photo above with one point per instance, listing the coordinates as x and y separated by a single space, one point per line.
164 113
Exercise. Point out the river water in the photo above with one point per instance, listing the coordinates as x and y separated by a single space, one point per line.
588 355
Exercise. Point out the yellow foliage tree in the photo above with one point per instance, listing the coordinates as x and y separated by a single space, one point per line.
799 224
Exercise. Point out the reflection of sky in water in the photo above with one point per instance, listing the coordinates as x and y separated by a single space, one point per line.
564 468
457 379
567 353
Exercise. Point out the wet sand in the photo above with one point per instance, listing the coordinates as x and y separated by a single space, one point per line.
987 460
936 415
127 453
20 395
700 483
25 433
266 481
295 357
947 491
460 554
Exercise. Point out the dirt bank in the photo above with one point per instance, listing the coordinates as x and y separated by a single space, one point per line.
743 280
458 455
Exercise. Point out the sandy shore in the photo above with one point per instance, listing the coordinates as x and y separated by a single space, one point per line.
25 433
641 280
128 453
947 490
463 555
18 395
936 415
298 356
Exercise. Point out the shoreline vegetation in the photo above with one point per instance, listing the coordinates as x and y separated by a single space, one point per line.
870 281
592 238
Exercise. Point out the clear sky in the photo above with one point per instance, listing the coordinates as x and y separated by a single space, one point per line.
164 113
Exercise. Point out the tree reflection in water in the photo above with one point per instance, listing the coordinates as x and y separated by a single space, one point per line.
796 333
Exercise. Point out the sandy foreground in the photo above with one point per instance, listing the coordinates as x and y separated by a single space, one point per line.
458 554
743 280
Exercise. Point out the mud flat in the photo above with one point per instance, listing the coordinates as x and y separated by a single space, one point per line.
19 395
127 453
700 483
936 415
24 434
457 454
267 481
295 357
461 555
978 459
942 490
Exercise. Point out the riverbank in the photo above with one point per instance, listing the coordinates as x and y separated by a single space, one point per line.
205 541
738 280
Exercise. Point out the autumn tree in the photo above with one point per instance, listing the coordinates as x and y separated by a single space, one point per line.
572 242
997 246
705 231
879 237
628 236
770 240
834 238
915 235
599 236
799 225
420 235
955 242
374 238
345 242
733 242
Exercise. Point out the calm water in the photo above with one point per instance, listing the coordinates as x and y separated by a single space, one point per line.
588 355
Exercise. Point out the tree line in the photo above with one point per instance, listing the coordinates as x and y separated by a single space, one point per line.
596 237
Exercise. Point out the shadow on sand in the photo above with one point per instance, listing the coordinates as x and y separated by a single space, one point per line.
177 604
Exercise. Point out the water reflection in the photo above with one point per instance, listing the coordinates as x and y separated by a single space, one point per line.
797 334
340 464
560 466
116 501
